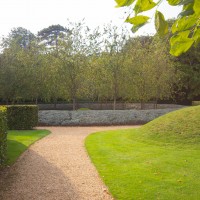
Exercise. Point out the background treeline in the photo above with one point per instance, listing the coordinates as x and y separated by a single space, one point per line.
104 64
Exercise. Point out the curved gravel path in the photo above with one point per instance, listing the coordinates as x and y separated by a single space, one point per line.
56 167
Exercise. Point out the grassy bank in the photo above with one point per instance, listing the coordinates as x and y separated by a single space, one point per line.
160 160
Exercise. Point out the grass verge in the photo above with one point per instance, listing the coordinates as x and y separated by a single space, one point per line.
19 141
157 161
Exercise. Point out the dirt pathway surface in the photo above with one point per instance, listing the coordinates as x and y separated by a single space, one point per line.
56 167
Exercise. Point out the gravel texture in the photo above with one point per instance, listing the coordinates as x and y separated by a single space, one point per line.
56 167
99 117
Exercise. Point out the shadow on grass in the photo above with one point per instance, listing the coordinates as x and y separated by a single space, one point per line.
13 155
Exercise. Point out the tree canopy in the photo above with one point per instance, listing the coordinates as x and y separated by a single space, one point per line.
93 65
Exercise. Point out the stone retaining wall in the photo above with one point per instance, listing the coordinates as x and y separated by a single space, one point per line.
98 117
106 106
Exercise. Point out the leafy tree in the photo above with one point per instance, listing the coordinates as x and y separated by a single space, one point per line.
33 73
52 81
138 86
185 29
8 78
150 74
19 36
113 59
12 46
165 75
50 36
73 57
21 66
94 84
189 66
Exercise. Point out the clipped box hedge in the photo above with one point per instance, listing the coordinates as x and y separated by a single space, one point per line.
22 117
3 135
195 103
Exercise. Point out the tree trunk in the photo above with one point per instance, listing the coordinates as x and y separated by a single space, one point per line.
142 105
157 95
55 103
115 94
36 101
114 103
74 103
101 106
13 102
156 104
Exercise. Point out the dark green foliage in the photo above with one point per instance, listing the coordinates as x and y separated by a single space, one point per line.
3 135
52 34
19 36
22 117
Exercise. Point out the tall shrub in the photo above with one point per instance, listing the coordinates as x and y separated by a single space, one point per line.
3 135
22 117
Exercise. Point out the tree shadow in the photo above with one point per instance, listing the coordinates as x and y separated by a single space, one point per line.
12 156
33 177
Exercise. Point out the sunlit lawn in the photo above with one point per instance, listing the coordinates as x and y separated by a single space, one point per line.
141 164
19 141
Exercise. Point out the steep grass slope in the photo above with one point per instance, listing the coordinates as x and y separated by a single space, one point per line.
179 126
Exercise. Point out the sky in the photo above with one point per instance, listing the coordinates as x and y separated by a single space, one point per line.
35 15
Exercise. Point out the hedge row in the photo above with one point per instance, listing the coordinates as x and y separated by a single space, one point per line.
3 134
15 118
22 117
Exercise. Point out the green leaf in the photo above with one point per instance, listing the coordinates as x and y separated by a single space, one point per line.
180 43
184 23
173 2
160 24
136 28
185 2
121 3
186 13
196 36
138 20
144 5
196 7
187 10
188 6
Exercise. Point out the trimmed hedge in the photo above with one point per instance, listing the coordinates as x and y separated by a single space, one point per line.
195 103
3 135
22 117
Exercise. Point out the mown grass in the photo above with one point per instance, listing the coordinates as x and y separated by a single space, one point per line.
19 141
160 160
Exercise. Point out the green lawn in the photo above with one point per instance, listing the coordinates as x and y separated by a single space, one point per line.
160 160
19 141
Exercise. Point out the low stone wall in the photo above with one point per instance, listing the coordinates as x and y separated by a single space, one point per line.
98 117
106 106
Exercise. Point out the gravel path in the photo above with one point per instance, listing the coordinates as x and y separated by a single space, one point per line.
56 167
